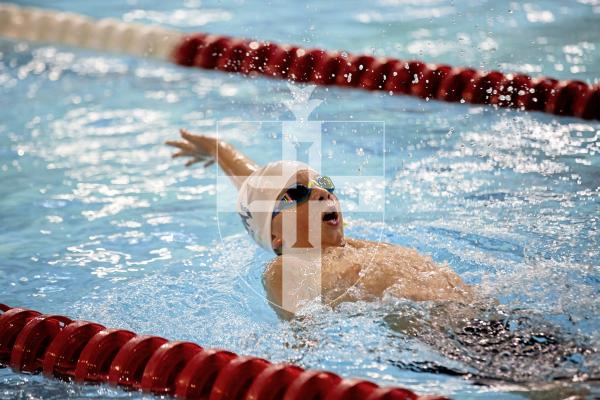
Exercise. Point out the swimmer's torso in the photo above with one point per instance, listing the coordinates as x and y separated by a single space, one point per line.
371 271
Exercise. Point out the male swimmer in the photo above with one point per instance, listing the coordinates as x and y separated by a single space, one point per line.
370 269
496 344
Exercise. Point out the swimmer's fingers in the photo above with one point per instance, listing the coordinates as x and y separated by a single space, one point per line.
197 159
189 150
197 140
181 154
195 146
185 149
193 161
181 145
184 132
201 142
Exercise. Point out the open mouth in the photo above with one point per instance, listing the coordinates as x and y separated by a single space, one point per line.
331 218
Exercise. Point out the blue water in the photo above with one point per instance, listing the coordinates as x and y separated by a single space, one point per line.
99 223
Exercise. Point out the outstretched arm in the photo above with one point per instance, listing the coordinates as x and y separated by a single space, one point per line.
203 148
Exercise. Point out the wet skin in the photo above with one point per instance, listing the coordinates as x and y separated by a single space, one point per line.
369 269
350 269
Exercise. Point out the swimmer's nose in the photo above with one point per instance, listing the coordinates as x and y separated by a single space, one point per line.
322 194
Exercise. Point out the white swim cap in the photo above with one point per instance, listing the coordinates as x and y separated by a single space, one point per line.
258 196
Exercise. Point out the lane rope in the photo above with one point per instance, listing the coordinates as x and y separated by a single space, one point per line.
83 351
293 63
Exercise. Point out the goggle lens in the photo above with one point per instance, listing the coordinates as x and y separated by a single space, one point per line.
300 193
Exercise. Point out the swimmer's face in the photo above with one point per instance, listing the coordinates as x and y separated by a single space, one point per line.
323 208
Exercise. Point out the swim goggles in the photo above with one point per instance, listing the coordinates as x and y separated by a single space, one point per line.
299 194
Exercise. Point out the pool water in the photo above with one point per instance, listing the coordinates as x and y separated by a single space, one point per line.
99 223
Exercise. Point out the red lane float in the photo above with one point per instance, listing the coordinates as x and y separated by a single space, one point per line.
88 352
99 353
29 348
62 355
129 364
296 64
428 81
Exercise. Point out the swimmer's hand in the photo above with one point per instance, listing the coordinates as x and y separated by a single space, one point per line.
199 147
205 149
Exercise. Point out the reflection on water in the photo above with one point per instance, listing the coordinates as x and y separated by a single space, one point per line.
497 345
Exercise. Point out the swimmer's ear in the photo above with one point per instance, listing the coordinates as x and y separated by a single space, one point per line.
276 243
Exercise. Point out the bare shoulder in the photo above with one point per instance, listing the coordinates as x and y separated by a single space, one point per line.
272 281
407 273
272 273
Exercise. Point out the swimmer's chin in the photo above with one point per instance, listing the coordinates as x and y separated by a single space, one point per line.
333 235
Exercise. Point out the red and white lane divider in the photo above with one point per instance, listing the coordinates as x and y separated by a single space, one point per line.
417 78
89 352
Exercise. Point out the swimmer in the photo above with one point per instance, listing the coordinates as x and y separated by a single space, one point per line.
497 345
370 269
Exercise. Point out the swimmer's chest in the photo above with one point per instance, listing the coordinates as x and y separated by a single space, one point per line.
347 264
378 267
